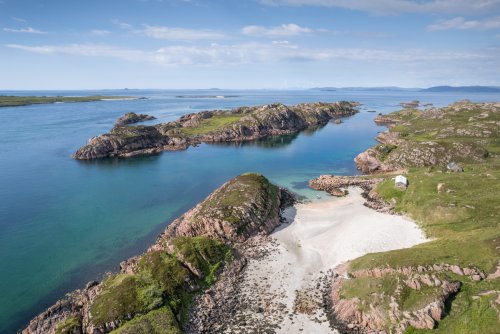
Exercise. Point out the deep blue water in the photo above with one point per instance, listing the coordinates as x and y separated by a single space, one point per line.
64 222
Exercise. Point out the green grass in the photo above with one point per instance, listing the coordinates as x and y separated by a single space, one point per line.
469 312
161 279
70 325
124 295
211 125
160 321
204 254
462 221
15 101
370 290
165 269
243 191
413 300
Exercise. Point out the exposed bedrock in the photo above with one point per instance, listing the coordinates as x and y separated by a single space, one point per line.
241 124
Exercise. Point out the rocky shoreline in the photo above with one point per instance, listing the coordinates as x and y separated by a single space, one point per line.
197 247
255 288
382 298
399 150
241 124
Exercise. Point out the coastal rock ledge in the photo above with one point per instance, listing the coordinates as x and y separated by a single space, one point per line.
154 292
241 124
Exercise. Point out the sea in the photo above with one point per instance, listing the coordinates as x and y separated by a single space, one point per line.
65 222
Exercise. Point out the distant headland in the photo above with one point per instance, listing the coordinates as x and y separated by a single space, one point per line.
17 101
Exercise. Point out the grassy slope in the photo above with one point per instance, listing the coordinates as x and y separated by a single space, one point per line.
15 101
159 293
463 223
212 124
160 281
243 191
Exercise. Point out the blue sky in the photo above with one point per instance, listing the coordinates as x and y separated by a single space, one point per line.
91 44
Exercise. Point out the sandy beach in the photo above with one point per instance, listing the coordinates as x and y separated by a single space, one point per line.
283 290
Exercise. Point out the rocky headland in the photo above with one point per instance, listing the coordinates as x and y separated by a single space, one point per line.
132 117
462 132
241 124
153 292
452 282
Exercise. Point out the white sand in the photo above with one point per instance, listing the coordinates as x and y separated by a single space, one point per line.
321 235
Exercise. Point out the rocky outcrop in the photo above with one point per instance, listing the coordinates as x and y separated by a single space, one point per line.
387 120
132 117
241 208
410 105
188 256
241 124
386 310
337 186
432 137
369 162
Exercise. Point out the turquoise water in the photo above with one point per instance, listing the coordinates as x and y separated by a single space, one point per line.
64 222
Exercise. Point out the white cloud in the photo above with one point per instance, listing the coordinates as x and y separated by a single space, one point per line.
282 30
18 19
84 50
463 24
284 42
247 53
27 30
399 6
122 25
99 32
170 33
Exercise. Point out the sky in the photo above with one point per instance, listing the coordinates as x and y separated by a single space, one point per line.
248 44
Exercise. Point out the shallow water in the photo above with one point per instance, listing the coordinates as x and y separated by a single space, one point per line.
64 222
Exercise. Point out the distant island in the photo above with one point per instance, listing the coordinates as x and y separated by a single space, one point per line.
465 89
17 101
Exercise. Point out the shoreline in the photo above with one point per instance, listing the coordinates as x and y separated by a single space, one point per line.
285 288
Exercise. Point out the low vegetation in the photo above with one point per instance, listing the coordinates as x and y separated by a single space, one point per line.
16 101
163 282
160 321
70 325
457 211
248 189
212 124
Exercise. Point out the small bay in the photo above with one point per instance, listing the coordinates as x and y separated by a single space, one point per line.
64 222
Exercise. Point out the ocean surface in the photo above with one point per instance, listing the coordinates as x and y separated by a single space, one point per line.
64 222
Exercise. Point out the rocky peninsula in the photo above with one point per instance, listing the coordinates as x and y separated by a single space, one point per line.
241 124
153 292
